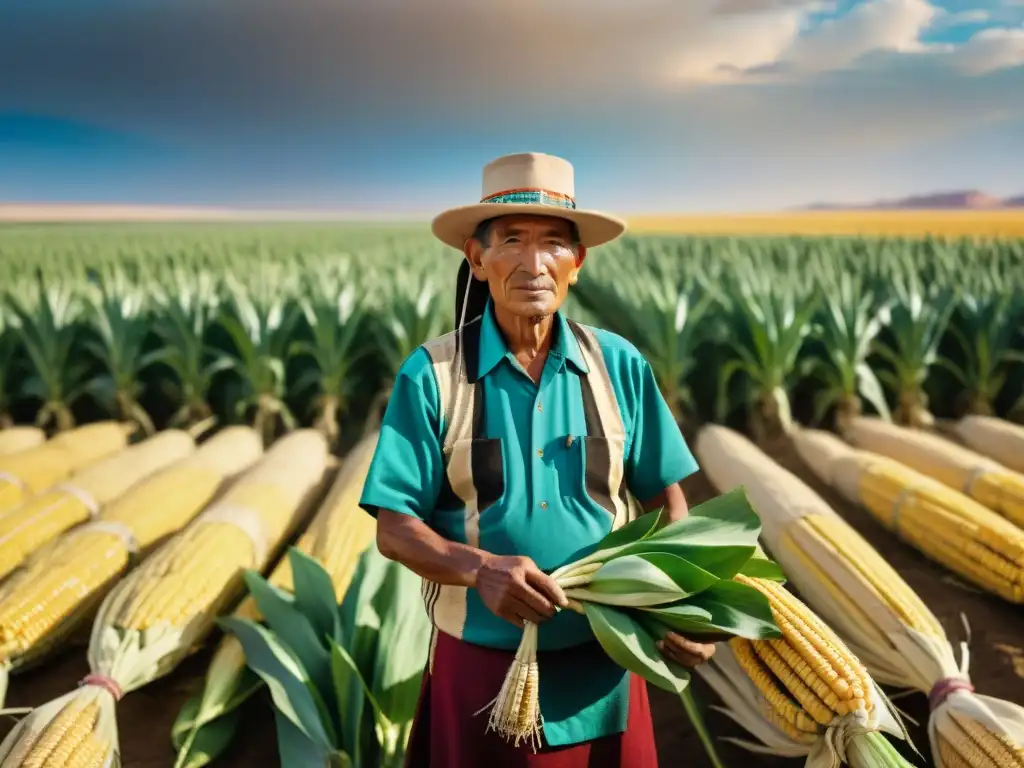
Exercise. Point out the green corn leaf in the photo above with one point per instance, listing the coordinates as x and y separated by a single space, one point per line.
725 521
403 646
632 532
200 745
760 567
630 646
292 626
294 747
291 689
314 595
739 610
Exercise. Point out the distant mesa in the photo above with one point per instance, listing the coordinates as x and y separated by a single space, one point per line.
967 200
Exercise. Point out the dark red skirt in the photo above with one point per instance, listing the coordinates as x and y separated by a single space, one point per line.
447 732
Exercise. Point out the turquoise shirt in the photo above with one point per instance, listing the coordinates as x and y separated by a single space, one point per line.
544 510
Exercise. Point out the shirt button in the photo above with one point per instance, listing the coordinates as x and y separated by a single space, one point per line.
540 406
540 453
543 505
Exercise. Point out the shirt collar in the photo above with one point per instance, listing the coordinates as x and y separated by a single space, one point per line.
493 349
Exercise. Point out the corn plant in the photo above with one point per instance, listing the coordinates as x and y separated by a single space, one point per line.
984 327
185 311
344 681
851 315
47 325
412 308
257 319
336 317
768 322
662 311
118 316
919 316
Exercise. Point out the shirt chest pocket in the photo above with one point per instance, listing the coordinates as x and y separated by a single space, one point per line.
594 471
476 471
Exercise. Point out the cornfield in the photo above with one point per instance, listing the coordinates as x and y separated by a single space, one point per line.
282 326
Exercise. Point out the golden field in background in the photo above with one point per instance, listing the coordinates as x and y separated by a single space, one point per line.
1003 223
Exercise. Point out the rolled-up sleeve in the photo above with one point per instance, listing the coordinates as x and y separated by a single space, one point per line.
658 454
406 470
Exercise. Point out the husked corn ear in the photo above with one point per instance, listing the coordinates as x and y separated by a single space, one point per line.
986 481
967 742
196 573
202 567
52 589
27 473
28 527
69 739
18 439
996 438
947 526
808 676
876 573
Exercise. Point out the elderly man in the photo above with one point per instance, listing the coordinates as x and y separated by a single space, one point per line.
510 447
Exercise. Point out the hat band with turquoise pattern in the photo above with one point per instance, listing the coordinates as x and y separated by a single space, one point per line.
532 197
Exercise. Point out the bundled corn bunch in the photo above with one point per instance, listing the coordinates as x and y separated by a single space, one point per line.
642 581
880 618
804 694
162 611
29 472
984 480
336 538
18 439
42 518
998 439
947 526
57 587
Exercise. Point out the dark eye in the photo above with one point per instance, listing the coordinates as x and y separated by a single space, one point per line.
511 239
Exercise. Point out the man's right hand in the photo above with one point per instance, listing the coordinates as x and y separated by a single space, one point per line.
515 589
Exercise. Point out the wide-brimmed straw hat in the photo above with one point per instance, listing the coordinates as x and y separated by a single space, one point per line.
527 183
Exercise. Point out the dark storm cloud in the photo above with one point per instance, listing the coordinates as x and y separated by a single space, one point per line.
158 65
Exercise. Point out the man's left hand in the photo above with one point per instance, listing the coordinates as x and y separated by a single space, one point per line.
685 651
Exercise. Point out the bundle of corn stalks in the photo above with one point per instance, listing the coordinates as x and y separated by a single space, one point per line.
998 439
56 589
164 609
29 472
880 618
947 526
83 496
642 581
336 538
18 439
983 479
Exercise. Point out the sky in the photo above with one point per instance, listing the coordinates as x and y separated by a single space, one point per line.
395 105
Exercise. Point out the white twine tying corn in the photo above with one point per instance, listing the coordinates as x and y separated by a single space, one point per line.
88 500
642 582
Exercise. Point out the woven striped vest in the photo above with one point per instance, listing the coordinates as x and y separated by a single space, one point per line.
473 462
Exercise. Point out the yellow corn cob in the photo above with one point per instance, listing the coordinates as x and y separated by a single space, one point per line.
945 525
42 601
998 439
202 567
984 480
74 736
29 472
161 612
28 527
807 686
336 537
18 439
969 743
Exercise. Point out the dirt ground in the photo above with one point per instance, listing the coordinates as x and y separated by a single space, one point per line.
997 669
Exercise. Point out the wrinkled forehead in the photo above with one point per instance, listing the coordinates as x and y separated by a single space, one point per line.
532 224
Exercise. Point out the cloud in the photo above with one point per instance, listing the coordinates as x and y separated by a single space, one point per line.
990 50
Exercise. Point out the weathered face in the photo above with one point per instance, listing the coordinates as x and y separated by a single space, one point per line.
529 263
